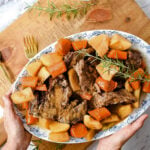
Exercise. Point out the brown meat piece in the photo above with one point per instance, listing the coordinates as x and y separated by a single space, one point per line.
105 99
73 112
86 79
134 60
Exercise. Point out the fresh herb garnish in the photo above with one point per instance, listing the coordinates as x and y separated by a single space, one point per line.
124 71
65 9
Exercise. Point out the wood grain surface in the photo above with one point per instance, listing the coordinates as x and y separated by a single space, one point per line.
127 16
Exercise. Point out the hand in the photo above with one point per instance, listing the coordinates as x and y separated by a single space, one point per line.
18 138
116 140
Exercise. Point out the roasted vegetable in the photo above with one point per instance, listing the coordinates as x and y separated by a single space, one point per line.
29 81
78 45
128 87
59 137
107 86
112 118
41 87
43 74
91 123
90 134
59 127
137 93
30 119
73 79
124 110
100 113
57 69
25 105
22 96
33 68
117 54
100 43
78 130
146 85
107 73
86 96
63 46
50 59
44 123
119 42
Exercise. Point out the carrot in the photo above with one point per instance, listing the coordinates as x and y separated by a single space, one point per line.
63 46
117 54
146 85
30 119
86 96
29 81
57 69
25 105
77 45
78 130
41 87
100 113
138 73
105 85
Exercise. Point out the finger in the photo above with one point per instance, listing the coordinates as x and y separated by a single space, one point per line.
124 134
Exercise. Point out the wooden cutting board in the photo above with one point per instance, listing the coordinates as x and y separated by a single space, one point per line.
127 16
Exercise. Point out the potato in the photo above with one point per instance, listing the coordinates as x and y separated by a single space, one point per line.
100 43
137 95
90 134
91 123
43 74
112 118
73 79
119 42
107 126
124 110
59 127
33 68
50 59
44 123
128 87
22 96
107 73
59 137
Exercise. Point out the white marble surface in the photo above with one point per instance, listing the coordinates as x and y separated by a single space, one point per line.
12 9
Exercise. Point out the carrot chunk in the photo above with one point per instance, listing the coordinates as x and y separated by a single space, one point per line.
105 85
57 69
117 54
146 85
63 46
29 81
41 87
25 105
78 130
100 113
77 45
30 119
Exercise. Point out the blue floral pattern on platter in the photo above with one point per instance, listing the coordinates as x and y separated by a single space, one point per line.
137 43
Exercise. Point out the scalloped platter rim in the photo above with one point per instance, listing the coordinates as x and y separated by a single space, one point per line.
137 43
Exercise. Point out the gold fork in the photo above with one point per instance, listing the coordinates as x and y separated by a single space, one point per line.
30 46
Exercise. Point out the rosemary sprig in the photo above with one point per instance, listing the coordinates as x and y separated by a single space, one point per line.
124 71
64 9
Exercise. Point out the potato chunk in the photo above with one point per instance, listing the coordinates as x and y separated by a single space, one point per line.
50 59
59 137
90 134
73 79
43 74
100 43
22 96
59 127
107 73
127 86
124 110
44 123
137 95
91 123
33 68
112 118
119 42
